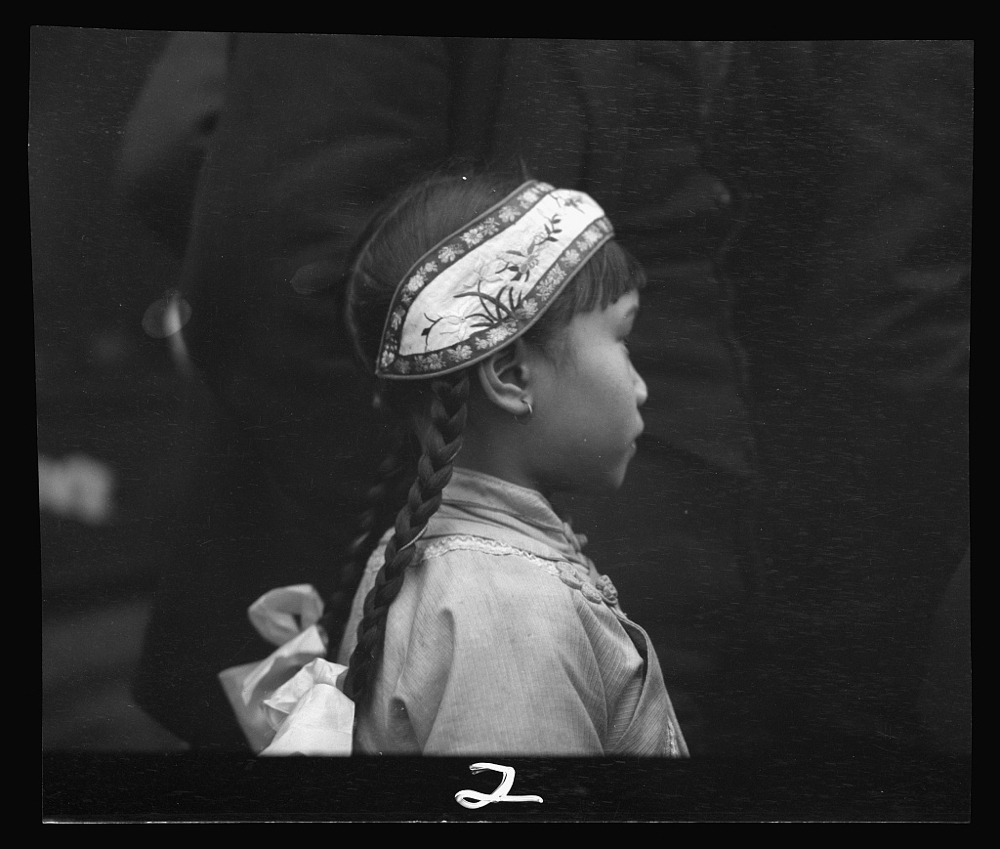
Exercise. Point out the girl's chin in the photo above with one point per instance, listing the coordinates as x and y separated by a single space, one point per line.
600 482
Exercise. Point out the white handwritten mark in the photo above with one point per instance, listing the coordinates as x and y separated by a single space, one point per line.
498 795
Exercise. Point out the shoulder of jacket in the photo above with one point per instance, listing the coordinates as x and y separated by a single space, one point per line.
548 575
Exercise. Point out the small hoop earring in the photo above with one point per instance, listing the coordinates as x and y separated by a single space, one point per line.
522 419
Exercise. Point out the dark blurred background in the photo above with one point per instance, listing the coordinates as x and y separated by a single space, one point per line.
110 427
106 393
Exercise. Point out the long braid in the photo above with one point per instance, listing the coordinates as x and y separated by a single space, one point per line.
383 499
442 442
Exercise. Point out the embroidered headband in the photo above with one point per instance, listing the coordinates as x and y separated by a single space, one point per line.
484 286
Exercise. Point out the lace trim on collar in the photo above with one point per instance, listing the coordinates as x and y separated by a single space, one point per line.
573 575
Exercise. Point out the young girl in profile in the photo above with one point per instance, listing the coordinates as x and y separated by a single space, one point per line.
495 318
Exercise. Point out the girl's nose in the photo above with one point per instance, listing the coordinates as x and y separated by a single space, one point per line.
641 393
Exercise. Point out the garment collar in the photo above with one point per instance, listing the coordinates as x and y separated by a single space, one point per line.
482 505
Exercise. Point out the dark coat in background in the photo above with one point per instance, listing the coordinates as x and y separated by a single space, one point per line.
803 211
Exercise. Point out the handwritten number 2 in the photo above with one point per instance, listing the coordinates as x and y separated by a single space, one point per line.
475 799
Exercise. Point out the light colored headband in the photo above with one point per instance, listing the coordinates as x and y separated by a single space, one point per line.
484 286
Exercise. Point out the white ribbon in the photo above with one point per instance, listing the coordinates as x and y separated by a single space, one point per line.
310 715
290 703
281 614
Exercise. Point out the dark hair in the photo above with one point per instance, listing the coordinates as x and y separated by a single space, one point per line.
411 478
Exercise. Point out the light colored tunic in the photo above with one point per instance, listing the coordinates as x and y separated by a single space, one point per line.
505 640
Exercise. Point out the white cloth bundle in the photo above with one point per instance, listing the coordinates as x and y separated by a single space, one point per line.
291 703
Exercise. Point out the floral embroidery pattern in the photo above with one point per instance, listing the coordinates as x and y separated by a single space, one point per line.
494 312
552 233
522 263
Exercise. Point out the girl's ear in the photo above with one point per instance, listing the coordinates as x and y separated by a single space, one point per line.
506 377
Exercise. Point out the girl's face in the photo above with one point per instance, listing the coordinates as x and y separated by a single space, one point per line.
586 403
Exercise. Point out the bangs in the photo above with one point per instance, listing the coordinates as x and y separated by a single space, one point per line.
610 273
